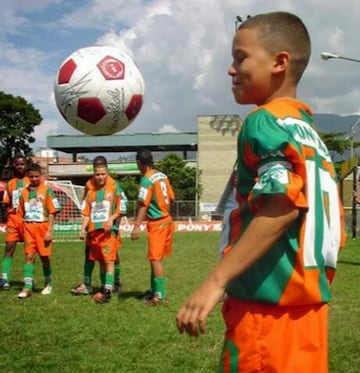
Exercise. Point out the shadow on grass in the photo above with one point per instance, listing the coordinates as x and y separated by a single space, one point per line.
349 263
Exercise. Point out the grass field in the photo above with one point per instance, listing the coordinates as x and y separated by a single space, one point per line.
62 333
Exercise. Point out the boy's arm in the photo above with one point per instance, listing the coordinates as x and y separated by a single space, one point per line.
48 234
84 225
141 214
270 223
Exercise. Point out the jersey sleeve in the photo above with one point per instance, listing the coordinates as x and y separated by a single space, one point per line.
269 151
53 203
123 199
145 191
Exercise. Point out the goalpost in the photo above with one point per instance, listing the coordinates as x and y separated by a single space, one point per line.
68 221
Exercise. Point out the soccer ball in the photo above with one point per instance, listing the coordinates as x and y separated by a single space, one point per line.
99 90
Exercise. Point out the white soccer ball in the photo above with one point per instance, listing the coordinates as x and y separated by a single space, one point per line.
99 90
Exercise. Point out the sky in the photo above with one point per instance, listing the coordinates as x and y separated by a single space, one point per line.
182 47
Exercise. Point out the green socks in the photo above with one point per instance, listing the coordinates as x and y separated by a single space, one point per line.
160 287
88 270
152 283
28 275
47 274
117 273
109 280
6 265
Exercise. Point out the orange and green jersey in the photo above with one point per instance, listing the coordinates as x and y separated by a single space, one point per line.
36 204
12 193
90 185
100 204
156 194
279 152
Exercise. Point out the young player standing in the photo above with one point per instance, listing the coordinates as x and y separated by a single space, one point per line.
85 288
38 206
154 200
14 224
278 270
101 210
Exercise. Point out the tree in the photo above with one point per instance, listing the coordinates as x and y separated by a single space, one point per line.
336 142
183 178
17 121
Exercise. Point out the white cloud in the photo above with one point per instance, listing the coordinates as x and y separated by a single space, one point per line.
168 128
183 49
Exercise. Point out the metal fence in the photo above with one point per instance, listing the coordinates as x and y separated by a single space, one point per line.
180 210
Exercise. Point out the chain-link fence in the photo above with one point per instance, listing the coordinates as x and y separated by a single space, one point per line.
180 210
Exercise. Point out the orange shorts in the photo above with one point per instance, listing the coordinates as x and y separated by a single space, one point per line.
14 229
34 239
271 338
160 238
103 246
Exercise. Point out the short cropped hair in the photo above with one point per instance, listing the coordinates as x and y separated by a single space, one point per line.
34 167
145 158
99 160
283 31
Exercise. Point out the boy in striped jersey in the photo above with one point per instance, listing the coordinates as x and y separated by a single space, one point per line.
281 259
101 208
14 224
38 206
85 288
154 200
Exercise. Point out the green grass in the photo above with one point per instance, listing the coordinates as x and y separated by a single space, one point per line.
62 333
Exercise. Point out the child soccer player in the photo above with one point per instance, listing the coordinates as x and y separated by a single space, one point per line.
277 270
14 224
101 210
85 288
154 200
38 206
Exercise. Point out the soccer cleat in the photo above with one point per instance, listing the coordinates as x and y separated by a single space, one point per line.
102 296
117 289
155 300
4 284
146 295
25 293
81 289
47 290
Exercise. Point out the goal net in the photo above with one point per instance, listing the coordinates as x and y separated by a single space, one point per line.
68 221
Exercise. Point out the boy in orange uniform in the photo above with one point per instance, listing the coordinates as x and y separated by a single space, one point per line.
38 206
279 265
101 210
154 200
85 288
14 224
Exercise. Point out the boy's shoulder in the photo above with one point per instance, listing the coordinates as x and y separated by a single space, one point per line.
282 107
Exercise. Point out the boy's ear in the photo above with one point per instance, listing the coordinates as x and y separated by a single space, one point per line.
281 62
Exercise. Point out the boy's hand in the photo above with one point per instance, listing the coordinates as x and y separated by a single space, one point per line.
192 316
48 236
82 234
135 234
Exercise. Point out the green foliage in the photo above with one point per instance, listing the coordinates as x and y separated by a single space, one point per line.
130 185
336 142
182 177
17 121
